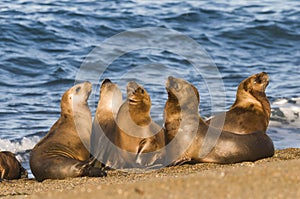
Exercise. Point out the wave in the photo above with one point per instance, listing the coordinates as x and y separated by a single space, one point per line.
286 111
19 147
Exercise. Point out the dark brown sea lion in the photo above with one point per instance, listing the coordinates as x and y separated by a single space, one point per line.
251 110
63 152
139 139
190 139
10 167
104 125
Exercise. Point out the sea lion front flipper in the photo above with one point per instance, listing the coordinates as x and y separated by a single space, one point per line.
140 160
147 158
24 173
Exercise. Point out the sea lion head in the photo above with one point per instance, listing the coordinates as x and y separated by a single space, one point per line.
111 96
76 96
251 91
183 92
137 96
139 104
107 86
256 83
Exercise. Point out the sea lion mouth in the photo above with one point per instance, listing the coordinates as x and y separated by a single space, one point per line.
169 82
133 99
88 87
133 102
171 86
87 95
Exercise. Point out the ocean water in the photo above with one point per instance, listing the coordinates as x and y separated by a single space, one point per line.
47 46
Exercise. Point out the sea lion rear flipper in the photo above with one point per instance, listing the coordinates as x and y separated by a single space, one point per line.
23 172
93 171
180 161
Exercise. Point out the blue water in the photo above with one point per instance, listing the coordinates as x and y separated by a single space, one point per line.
44 45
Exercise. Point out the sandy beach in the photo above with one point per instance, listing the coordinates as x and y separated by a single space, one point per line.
276 177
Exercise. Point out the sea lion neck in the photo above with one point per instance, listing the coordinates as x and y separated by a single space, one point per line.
263 99
140 113
66 106
172 97
172 104
68 109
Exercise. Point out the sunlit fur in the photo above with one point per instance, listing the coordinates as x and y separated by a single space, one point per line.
251 110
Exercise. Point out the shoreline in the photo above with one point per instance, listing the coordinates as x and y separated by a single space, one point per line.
277 177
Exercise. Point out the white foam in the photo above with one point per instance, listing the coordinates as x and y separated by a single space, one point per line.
296 99
15 147
287 111
280 102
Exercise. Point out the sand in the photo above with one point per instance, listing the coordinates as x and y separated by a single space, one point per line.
276 177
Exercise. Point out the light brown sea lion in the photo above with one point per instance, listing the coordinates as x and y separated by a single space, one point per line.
190 139
62 153
104 125
251 110
10 167
139 139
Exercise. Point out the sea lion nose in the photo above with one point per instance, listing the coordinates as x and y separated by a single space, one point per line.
132 87
106 81
171 78
172 82
264 77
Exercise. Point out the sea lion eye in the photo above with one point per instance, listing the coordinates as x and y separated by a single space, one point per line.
78 89
142 91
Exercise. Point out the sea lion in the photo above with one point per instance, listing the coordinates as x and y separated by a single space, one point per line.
104 125
190 139
10 167
139 139
251 110
63 152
